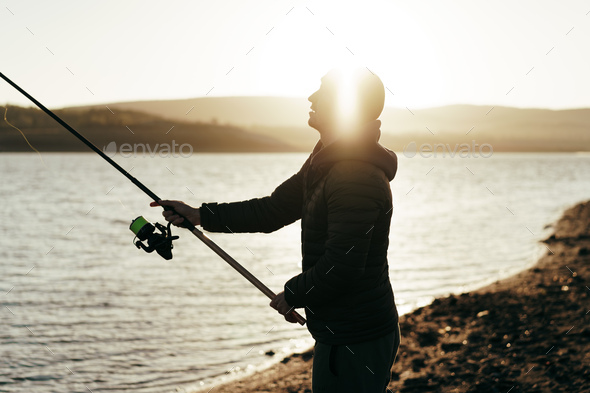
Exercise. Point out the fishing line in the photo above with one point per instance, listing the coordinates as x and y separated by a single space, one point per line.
22 133
125 207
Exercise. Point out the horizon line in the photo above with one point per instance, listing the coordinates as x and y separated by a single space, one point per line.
420 107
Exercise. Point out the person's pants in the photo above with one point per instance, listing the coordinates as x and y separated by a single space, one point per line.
360 368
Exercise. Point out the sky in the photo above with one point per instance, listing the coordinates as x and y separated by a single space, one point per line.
526 53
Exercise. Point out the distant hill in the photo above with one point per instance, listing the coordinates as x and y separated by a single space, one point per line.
285 119
242 111
102 127
260 124
277 117
507 129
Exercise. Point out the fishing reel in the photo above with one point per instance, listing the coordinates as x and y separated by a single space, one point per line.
160 241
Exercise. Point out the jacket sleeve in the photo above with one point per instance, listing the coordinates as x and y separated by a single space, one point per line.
354 201
266 214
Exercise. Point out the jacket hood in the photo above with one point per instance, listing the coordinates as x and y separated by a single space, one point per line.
367 149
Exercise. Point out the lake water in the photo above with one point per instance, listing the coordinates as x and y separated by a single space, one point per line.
82 309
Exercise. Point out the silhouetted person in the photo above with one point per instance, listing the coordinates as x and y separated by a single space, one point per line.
343 198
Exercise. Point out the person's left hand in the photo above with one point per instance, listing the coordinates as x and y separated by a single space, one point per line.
280 304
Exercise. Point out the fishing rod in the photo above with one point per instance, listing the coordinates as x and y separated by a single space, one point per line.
161 241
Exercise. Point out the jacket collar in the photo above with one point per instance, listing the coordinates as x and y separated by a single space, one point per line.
365 149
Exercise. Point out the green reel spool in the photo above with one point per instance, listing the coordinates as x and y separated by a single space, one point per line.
137 224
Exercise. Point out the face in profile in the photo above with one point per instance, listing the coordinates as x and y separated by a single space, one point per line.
346 100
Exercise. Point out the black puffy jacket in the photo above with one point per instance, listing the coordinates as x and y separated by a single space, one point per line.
343 198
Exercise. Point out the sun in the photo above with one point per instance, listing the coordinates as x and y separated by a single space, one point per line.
292 59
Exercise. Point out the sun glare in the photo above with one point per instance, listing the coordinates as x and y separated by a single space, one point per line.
347 97
291 60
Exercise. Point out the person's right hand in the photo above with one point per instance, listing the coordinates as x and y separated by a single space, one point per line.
192 214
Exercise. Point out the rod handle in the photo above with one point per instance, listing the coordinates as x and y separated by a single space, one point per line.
298 317
300 320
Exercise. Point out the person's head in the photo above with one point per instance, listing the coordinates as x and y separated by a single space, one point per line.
345 102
